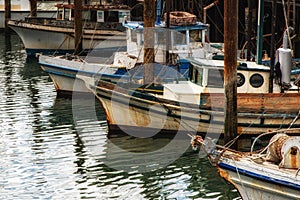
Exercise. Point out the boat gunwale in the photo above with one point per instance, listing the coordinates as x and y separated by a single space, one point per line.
255 175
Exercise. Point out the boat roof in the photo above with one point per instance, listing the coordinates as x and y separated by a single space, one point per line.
140 26
96 7
217 64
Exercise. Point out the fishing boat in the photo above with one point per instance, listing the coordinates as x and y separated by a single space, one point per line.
182 107
186 40
21 9
270 173
56 35
254 173
197 105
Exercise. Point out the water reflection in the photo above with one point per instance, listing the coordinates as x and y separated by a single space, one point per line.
50 151
187 178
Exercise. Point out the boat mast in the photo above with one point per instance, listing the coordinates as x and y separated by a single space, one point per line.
149 21
260 31
78 26
249 34
168 39
158 11
230 71
273 46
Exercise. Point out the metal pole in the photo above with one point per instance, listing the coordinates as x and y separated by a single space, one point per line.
260 22
168 41
158 11
273 46
230 71
249 49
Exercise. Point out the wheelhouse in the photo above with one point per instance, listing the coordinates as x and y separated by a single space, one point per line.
251 78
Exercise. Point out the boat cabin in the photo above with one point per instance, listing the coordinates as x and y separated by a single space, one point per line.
94 13
207 76
184 40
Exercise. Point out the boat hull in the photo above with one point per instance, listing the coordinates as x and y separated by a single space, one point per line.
64 72
142 112
60 40
260 181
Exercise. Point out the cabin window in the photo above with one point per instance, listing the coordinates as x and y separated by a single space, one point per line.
256 80
93 16
66 14
240 79
161 37
212 77
195 36
215 78
196 75
122 14
59 14
133 34
100 16
199 76
86 15
111 16
179 37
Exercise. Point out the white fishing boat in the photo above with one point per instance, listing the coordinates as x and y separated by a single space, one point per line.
21 9
185 39
137 108
198 105
272 175
56 35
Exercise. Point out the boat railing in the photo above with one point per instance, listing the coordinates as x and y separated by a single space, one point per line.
70 24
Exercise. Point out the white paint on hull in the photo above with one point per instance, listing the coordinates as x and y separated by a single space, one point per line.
261 180
154 114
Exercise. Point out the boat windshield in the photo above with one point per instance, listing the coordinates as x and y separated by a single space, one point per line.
207 77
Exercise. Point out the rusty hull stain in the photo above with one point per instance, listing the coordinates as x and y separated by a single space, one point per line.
224 174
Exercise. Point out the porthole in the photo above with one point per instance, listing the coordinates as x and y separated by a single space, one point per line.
256 80
240 79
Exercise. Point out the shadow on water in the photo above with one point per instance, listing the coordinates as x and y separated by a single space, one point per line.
187 177
50 151
139 168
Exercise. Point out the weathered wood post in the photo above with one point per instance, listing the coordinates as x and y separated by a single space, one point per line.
78 26
149 20
7 14
230 71
33 8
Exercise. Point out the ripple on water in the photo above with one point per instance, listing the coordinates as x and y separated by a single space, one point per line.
50 151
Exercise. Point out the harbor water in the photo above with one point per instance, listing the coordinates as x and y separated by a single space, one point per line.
54 147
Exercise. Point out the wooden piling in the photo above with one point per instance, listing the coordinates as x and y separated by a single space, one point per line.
230 71
149 21
33 8
7 14
78 29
